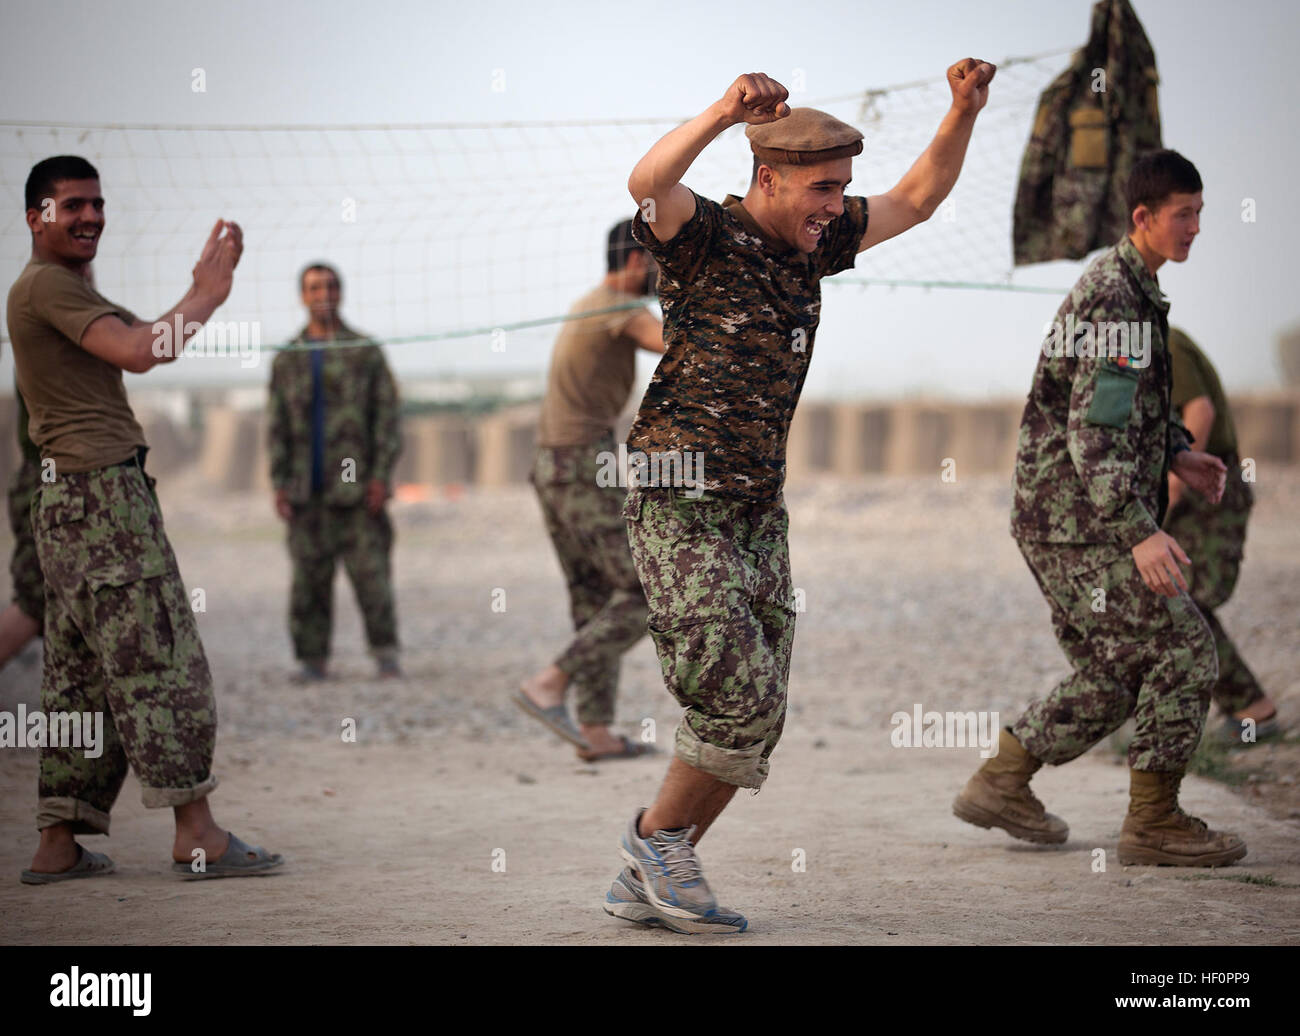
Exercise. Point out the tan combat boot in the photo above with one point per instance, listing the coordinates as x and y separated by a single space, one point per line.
1156 831
999 796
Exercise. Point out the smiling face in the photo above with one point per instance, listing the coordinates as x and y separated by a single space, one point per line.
69 223
800 200
1169 230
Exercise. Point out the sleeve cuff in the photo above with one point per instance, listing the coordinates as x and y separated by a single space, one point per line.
1136 524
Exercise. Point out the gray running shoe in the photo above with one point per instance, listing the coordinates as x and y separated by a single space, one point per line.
670 874
626 899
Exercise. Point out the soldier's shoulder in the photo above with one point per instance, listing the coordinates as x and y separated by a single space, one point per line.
1107 277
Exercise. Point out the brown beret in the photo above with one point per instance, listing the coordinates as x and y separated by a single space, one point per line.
804 137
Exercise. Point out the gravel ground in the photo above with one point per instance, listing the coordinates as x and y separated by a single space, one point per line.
914 593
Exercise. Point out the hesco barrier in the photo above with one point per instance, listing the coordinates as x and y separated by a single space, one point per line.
846 439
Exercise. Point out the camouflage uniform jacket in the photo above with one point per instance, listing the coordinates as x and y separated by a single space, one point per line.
362 421
740 314
1098 432
1087 132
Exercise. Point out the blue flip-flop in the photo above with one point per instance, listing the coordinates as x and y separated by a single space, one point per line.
555 719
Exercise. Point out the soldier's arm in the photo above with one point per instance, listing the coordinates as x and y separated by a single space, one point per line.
277 424
1197 419
646 331
655 184
386 429
137 347
918 194
1103 410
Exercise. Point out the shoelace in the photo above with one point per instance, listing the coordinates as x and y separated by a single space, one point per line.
679 860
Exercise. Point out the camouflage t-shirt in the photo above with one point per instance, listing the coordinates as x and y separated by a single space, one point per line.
1099 430
740 315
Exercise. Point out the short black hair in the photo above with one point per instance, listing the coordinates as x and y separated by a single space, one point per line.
1155 176
48 172
324 267
621 245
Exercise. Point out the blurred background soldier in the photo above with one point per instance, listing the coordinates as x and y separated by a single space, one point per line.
334 437
1213 535
25 617
592 371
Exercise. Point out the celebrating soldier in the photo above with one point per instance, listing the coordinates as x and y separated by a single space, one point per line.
741 296
120 636
335 434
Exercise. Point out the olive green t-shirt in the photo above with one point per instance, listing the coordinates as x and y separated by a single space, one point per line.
592 370
80 417
1195 376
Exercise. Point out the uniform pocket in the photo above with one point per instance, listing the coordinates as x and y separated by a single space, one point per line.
1112 401
1088 131
132 615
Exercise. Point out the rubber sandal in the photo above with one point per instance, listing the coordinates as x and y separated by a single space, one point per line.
88 865
234 862
630 750
555 719
1231 730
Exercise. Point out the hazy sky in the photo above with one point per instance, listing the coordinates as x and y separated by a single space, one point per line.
1227 98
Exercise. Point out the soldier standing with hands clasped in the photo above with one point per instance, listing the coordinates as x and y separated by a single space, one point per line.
335 434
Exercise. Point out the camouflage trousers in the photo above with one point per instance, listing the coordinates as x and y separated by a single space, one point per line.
24 566
606 601
716 572
1214 537
319 536
120 640
1134 653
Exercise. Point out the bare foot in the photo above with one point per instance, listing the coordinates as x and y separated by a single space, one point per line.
546 689
56 858
213 841
601 739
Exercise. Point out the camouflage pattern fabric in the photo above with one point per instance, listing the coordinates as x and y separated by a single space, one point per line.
1092 123
740 316
716 572
608 606
120 639
1134 653
1214 537
24 567
321 534
362 421
1097 435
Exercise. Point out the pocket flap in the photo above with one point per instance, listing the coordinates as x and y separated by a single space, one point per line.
59 505
1112 401
124 573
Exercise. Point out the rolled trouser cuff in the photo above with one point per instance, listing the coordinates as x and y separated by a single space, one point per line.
743 767
81 817
158 798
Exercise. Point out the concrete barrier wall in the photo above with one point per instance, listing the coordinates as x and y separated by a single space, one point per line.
846 439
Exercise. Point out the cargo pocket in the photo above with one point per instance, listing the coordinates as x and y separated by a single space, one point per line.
132 615
1112 400
1088 132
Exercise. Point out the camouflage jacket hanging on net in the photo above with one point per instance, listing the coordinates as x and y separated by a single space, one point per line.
1095 119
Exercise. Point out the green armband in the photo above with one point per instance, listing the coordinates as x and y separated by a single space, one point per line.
1112 402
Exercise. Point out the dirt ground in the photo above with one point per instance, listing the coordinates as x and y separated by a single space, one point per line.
454 819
